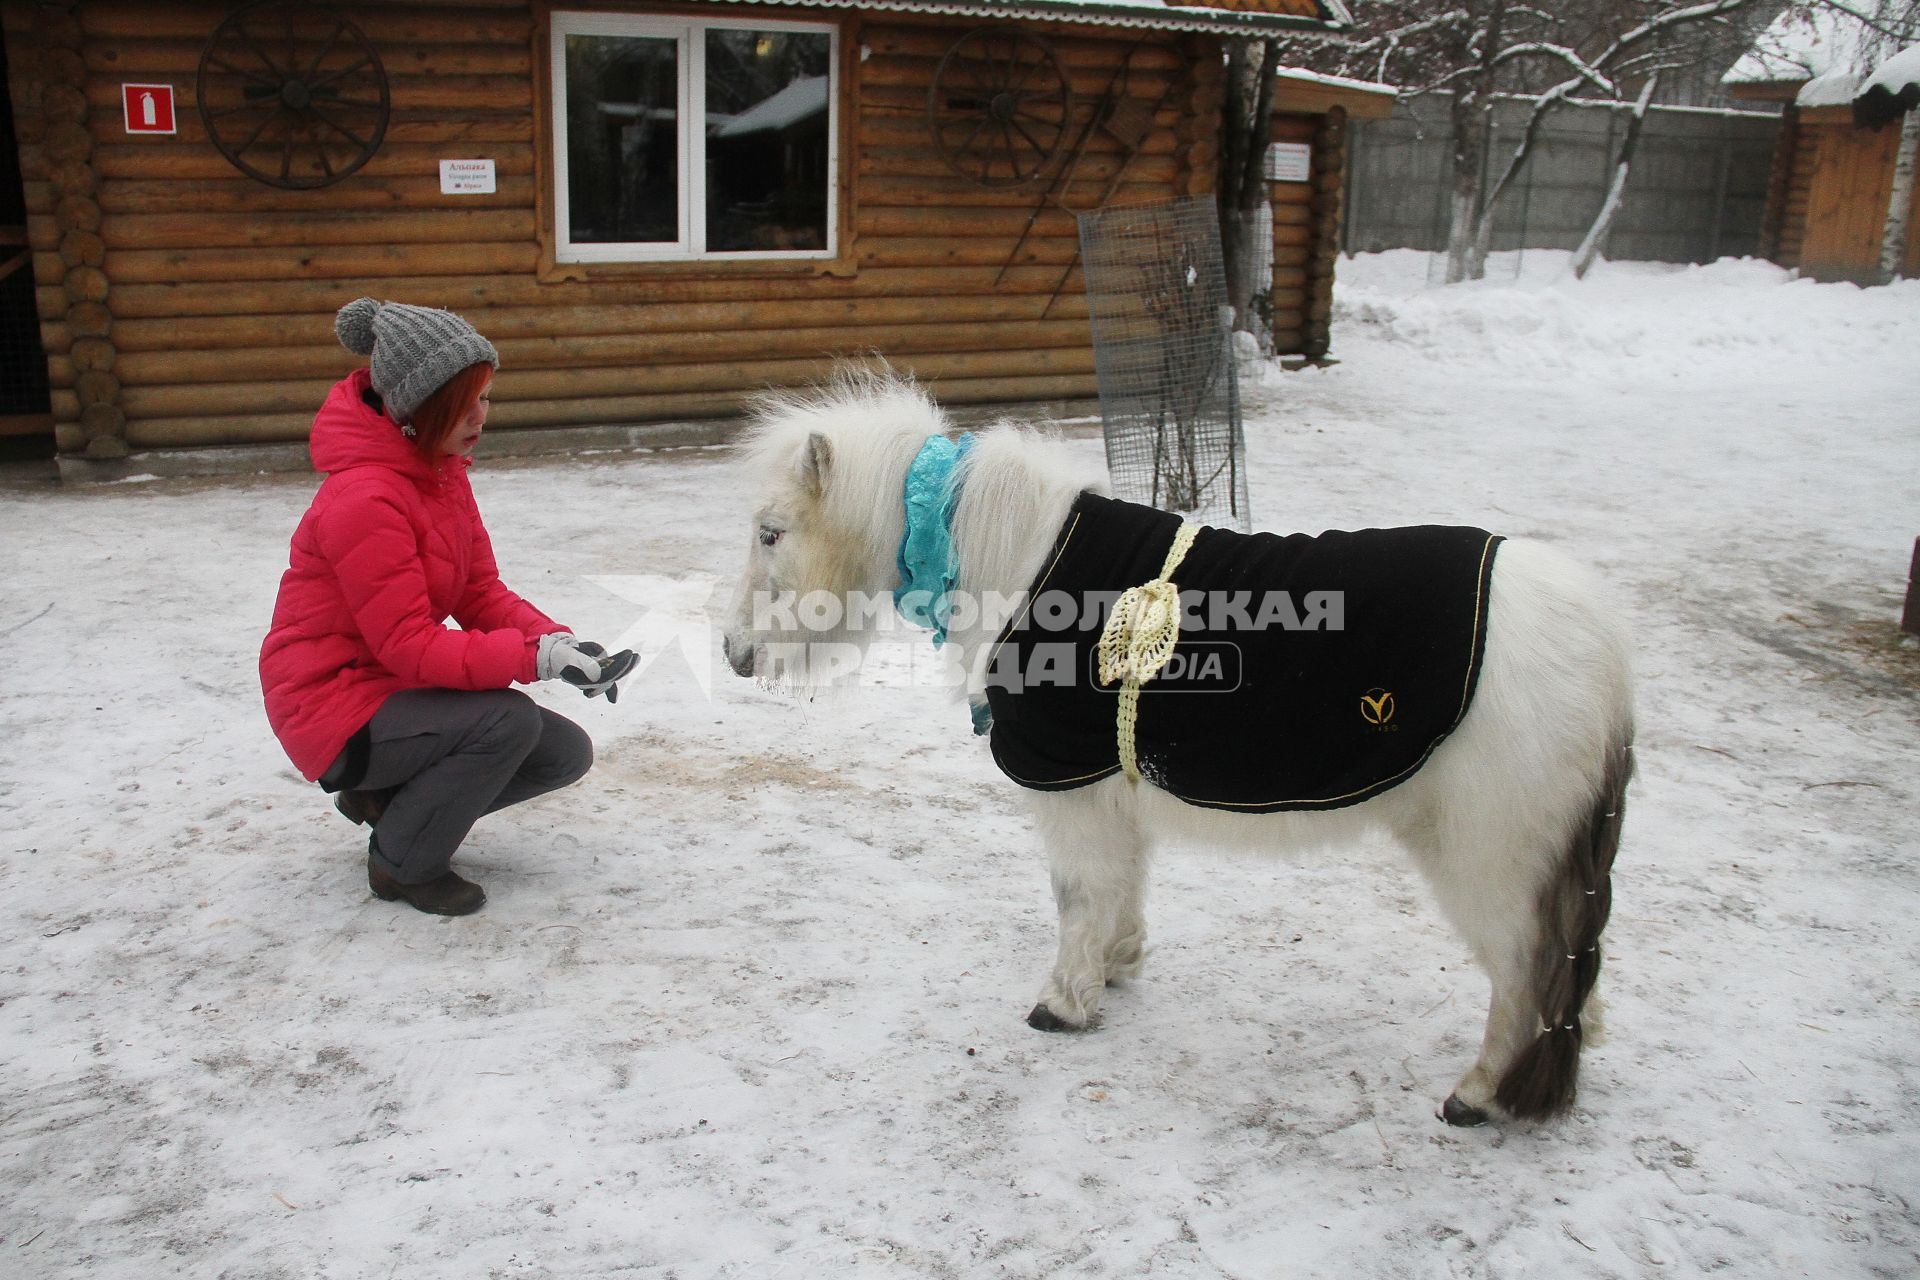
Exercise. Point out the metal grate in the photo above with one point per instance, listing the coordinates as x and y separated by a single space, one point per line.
1162 348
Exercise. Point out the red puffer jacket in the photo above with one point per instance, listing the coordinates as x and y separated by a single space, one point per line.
389 549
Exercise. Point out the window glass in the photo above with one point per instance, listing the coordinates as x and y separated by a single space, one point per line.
623 139
768 93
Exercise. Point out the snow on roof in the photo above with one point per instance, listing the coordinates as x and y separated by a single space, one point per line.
1826 50
1897 72
1892 90
1338 82
805 97
1153 15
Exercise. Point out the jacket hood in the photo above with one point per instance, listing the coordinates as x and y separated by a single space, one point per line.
349 432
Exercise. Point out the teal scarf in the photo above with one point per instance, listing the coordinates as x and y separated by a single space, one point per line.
926 562
927 567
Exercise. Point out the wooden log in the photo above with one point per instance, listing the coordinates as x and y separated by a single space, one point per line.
96 387
1089 81
910 131
1092 172
88 320
144 161
102 420
461 293
67 142
83 284
1083 48
92 355
329 262
61 66
241 230
385 25
951 191
285 396
905 252
998 224
76 213
563 323
135 56
238 193
63 104
588 355
70 177
468 93
436 128
82 249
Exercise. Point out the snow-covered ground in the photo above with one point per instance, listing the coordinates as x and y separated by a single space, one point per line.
748 1002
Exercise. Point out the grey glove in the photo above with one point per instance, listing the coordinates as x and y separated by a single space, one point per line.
613 668
583 664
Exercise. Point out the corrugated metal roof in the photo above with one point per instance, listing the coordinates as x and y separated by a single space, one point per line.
1145 15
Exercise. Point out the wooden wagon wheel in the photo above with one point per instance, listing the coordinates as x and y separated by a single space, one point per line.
293 94
1000 106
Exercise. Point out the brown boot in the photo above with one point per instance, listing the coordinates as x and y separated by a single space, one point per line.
362 806
447 894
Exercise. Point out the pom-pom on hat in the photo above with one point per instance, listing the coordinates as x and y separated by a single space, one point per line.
415 350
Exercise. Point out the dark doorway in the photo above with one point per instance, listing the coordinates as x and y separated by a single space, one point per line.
26 417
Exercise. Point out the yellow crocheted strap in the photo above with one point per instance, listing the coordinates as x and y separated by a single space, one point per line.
1139 638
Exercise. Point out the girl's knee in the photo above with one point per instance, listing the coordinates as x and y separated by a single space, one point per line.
567 748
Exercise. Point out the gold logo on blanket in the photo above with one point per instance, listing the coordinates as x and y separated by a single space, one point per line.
1376 706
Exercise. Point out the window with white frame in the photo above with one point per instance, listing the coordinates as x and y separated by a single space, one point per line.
676 138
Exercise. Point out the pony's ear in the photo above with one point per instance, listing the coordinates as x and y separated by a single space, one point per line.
814 462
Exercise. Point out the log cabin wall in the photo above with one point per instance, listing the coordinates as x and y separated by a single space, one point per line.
1306 230
184 303
1827 207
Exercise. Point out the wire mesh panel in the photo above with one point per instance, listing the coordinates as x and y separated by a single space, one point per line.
1162 348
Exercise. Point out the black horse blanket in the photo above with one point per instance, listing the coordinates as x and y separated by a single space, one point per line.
1310 672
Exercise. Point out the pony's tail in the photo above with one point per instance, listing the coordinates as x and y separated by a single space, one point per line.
1573 910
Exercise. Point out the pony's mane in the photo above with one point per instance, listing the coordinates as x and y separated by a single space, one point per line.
874 420
1016 482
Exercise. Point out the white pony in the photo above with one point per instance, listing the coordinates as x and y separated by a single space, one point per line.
1513 819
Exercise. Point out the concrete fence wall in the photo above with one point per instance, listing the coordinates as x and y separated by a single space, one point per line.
1695 193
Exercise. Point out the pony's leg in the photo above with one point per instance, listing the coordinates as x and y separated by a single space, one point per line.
1531 902
1098 865
1486 887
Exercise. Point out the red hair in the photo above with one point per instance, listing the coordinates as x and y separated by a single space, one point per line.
447 408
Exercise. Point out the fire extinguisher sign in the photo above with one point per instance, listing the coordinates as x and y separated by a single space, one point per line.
149 107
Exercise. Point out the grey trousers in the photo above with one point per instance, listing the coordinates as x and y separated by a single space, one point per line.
452 755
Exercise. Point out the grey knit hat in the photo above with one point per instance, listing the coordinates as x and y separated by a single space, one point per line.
415 350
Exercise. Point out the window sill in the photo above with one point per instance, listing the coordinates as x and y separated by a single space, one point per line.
551 272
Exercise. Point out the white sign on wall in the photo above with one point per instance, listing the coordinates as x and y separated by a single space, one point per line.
1289 162
466 177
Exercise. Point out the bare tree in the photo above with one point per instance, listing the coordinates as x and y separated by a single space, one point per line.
1478 50
1252 66
1596 237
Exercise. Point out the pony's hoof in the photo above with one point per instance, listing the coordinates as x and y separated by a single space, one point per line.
1458 1113
1044 1019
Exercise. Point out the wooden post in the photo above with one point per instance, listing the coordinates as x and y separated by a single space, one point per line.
98 427
1910 616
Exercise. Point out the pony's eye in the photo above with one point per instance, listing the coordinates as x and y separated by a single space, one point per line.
769 536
